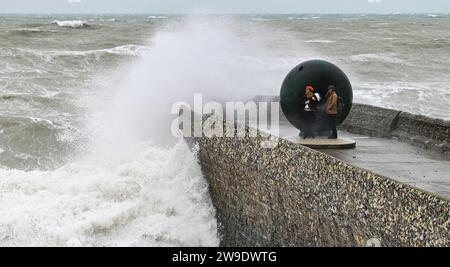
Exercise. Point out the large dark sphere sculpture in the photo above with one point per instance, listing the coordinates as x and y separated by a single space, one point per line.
320 75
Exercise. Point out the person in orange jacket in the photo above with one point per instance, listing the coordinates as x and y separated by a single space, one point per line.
332 110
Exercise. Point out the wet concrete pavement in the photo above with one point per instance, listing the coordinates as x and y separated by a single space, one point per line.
423 169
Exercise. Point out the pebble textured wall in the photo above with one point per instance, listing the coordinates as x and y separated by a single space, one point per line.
294 196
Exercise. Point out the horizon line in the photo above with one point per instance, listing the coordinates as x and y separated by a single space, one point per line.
225 13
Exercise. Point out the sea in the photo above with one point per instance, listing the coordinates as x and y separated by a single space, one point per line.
86 155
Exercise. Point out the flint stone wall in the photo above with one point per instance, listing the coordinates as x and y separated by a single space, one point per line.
294 196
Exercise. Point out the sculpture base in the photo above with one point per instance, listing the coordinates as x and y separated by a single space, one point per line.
323 143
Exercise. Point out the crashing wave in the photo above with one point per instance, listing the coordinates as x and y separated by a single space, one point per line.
71 23
153 197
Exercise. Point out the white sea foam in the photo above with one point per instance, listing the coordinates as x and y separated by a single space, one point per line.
157 17
146 197
320 41
32 30
261 19
124 50
39 120
382 57
71 23
105 20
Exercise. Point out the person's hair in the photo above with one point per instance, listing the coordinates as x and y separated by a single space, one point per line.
331 87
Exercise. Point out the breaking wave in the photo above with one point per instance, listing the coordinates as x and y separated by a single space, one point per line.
127 185
71 23
150 197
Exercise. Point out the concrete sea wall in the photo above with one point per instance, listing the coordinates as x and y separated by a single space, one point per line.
294 196
417 130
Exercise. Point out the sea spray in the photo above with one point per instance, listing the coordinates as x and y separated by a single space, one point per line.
201 58
132 183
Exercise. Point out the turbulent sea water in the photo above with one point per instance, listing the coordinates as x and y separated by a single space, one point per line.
83 104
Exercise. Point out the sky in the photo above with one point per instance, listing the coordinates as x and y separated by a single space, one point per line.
224 6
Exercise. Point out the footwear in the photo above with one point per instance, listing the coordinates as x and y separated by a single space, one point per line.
332 137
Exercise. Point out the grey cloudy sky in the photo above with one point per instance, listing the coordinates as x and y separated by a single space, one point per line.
224 6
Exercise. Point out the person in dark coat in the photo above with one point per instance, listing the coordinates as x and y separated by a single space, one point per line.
310 109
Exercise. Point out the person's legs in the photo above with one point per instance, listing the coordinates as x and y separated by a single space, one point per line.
334 134
307 132
312 133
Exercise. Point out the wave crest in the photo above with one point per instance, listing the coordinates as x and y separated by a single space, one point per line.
31 143
319 41
122 50
157 17
71 23
29 32
384 57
